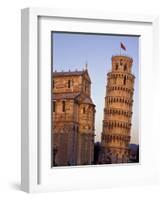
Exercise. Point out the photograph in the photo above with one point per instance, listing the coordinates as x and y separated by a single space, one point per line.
94 99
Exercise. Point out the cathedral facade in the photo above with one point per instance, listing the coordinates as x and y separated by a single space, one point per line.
118 111
73 117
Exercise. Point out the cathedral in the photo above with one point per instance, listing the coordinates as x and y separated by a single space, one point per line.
118 111
73 118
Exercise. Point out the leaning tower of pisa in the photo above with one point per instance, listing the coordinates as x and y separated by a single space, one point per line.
118 111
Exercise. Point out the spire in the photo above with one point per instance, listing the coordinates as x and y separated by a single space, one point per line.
86 65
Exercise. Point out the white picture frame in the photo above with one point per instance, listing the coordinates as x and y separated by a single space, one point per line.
36 171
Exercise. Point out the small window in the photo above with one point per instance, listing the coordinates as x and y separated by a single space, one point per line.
116 66
53 84
83 110
121 62
69 83
54 105
124 80
125 67
63 106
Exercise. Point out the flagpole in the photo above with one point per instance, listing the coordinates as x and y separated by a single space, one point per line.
122 47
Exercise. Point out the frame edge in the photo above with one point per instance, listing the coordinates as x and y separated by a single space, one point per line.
24 100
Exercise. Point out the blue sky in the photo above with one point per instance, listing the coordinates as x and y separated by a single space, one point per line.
72 51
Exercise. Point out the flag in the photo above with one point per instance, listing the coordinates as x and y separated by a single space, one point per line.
123 46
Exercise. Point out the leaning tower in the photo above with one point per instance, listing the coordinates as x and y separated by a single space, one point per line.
118 111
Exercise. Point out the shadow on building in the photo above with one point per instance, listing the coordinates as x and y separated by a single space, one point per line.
134 153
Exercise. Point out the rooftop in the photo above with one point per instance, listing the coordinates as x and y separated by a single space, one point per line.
68 73
79 96
122 55
65 95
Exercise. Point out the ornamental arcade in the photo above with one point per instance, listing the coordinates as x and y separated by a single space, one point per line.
118 111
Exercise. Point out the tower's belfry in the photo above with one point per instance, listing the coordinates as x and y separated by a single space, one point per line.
118 111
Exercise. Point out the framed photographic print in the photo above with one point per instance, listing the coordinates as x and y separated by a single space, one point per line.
88 116
92 114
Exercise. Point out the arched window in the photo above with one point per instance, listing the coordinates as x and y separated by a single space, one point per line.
116 66
121 62
83 110
53 84
54 105
124 82
69 83
63 106
125 67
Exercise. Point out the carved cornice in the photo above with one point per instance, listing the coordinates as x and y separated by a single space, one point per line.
110 137
120 99
120 87
116 123
121 75
118 111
